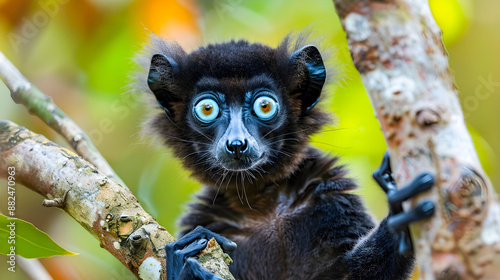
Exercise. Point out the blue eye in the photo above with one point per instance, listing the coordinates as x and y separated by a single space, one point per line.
265 107
206 110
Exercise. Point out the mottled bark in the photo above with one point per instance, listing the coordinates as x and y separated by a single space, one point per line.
397 48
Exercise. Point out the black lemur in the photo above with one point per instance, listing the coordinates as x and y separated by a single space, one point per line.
239 115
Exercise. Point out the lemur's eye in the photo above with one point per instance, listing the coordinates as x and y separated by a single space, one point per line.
206 110
265 107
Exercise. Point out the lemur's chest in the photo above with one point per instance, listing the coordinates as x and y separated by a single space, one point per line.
273 235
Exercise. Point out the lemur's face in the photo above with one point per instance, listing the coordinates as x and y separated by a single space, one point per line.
237 109
240 122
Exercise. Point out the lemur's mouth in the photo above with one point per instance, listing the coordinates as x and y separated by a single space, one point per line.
241 164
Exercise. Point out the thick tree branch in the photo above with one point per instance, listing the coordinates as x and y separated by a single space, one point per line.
23 92
109 212
397 48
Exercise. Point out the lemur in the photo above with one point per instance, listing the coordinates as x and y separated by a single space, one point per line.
239 116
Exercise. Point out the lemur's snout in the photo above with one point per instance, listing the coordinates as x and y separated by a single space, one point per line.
237 147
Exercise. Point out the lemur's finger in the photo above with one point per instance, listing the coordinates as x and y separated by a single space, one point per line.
399 222
192 249
383 175
176 258
202 233
405 244
420 184
194 270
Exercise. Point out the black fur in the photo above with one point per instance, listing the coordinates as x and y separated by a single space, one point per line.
308 226
292 215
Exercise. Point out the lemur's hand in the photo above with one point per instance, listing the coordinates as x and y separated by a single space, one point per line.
399 220
180 262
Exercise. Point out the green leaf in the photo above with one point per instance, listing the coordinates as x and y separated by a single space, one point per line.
24 239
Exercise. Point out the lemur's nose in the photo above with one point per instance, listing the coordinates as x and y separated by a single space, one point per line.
237 148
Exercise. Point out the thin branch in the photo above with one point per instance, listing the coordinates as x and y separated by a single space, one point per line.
33 269
397 47
12 78
23 92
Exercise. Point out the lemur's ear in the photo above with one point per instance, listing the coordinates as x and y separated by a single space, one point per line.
313 74
161 79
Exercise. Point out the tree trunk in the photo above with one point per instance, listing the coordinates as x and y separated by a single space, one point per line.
397 48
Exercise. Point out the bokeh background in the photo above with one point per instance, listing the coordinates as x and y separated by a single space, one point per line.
80 52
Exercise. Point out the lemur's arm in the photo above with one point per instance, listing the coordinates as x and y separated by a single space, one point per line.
387 253
384 252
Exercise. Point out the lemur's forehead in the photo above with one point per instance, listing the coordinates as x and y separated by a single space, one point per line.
231 59
236 89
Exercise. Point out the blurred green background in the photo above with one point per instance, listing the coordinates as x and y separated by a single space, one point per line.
80 53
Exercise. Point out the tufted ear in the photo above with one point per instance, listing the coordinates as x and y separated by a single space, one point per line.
161 79
309 61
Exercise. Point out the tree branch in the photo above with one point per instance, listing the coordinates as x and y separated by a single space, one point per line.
23 92
108 211
33 269
397 48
